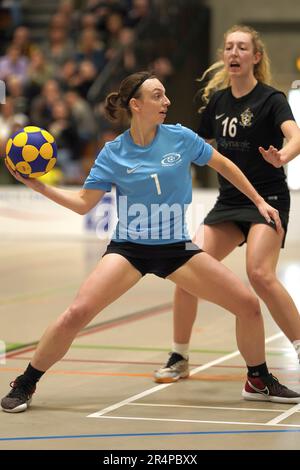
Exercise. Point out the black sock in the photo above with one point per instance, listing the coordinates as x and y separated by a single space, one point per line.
258 371
32 375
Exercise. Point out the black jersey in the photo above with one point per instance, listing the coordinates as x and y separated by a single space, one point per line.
240 126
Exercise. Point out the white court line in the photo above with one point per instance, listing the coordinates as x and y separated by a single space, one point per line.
157 388
285 415
199 421
202 407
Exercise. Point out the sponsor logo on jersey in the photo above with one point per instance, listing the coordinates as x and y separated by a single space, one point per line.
132 170
246 118
171 159
218 116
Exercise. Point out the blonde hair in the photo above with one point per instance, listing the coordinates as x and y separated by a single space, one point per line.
220 78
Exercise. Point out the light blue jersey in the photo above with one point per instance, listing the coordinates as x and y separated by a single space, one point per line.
153 183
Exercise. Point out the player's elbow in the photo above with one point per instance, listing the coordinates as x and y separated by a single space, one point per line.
82 210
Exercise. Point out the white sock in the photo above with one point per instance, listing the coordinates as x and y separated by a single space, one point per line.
182 349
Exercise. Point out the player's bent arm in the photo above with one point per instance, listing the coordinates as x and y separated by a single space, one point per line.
81 201
233 174
291 149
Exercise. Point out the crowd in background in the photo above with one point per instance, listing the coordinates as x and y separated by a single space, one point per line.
49 83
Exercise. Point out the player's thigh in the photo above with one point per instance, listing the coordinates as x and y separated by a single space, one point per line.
219 239
207 278
111 278
263 248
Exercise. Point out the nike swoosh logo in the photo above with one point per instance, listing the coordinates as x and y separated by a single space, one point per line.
131 170
263 391
218 116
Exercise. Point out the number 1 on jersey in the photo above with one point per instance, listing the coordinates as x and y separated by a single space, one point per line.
155 177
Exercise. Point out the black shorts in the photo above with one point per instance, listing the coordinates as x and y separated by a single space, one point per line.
244 216
161 260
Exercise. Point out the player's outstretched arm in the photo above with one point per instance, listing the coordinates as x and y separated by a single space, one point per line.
78 201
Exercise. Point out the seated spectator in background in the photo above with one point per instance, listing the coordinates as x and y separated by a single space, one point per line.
21 39
91 49
41 107
88 21
83 116
162 68
39 72
67 75
140 11
127 38
85 77
58 49
15 89
13 63
64 130
113 25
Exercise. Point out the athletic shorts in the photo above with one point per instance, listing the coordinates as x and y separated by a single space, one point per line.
244 217
161 260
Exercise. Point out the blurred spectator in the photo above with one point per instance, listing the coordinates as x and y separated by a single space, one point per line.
13 64
113 24
68 74
10 122
15 89
88 21
42 105
83 116
12 11
91 49
22 40
85 121
39 71
71 12
65 133
141 10
126 44
162 68
59 21
58 49
84 78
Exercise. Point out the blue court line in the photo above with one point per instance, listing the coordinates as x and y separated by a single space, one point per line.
149 434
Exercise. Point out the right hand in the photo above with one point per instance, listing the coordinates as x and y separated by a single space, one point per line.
32 183
271 215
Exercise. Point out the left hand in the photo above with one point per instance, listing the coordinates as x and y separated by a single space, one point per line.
272 156
270 214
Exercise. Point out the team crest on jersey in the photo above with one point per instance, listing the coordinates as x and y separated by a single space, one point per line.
171 159
246 118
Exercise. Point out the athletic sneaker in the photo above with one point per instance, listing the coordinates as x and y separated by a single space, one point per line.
19 398
176 368
268 389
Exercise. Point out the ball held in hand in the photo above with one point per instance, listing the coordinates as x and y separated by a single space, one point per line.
31 151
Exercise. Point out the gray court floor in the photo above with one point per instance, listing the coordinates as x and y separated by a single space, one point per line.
101 395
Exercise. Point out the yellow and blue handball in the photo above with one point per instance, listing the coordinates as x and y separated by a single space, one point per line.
31 151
